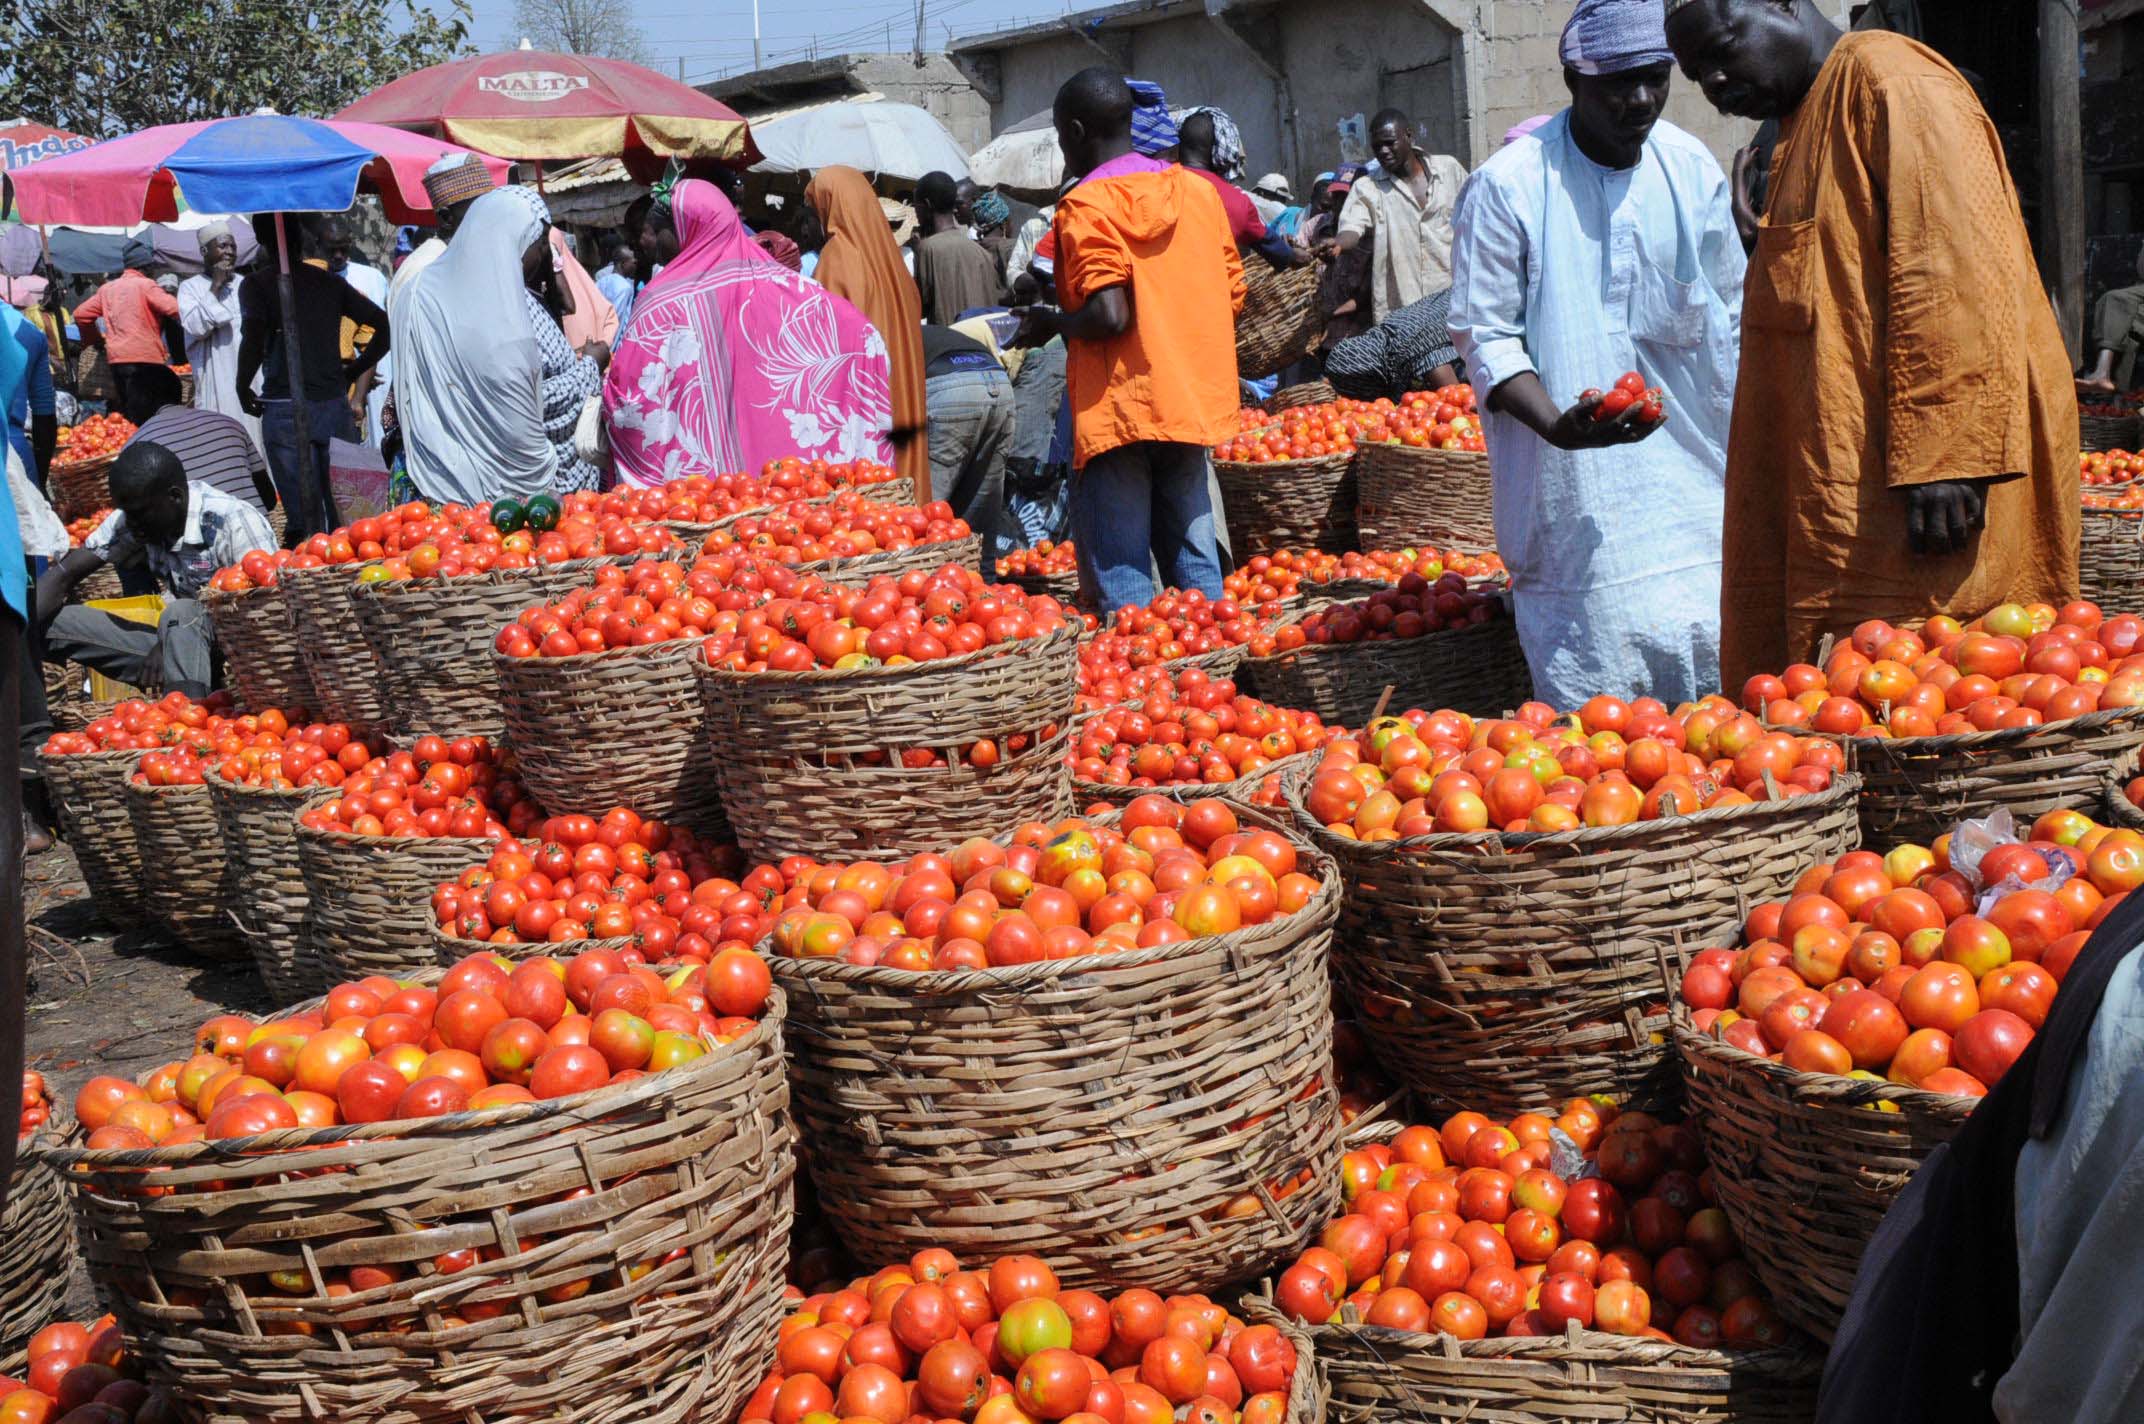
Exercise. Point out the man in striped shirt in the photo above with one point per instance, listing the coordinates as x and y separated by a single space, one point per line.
215 449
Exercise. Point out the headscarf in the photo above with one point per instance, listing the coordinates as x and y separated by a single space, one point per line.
468 374
862 263
593 318
1153 131
781 249
732 360
1227 143
991 209
1611 36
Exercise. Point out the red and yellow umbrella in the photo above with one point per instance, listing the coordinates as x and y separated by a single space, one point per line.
532 104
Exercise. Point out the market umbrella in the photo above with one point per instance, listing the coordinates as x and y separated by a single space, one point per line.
1025 156
873 135
23 143
533 104
257 163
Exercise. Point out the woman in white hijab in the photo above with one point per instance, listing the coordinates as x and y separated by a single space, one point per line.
469 369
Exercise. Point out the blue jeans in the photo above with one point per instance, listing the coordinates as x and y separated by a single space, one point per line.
1139 506
308 504
971 428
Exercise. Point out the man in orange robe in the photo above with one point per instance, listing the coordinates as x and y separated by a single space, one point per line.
1905 428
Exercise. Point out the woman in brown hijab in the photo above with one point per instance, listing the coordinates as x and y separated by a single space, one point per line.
861 263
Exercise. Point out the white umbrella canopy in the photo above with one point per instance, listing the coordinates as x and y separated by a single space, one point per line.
1025 156
867 133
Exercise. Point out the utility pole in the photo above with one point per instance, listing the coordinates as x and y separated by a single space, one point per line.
757 61
2062 169
918 55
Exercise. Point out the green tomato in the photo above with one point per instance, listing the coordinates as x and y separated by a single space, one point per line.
1031 1325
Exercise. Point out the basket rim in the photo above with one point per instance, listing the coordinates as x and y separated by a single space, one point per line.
46 758
1594 1345
1040 645
146 789
212 597
1832 1089
824 568
1308 606
1191 790
488 578
87 462
297 1139
217 781
1999 737
1844 785
479 946
1342 457
651 651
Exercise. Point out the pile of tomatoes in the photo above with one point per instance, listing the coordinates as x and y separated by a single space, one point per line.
79 530
1304 432
1594 1217
1047 559
1192 730
803 533
491 1032
704 499
260 568
1912 967
36 1106
81 1374
1442 419
1177 624
98 436
626 607
1166 872
436 788
1610 764
1289 571
1006 1344
173 720
2017 666
2109 467
916 617
1413 607
417 540
610 878
316 754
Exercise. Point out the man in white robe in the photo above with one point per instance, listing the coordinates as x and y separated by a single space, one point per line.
208 314
1601 243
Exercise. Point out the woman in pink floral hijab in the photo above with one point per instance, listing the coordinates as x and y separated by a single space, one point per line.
732 360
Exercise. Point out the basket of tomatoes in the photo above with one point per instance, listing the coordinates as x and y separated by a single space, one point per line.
261 656
1280 321
2029 708
1187 735
1290 484
373 848
1514 887
956 1341
1863 1017
39 1258
183 865
585 1221
1139 1091
1418 643
850 539
1536 1271
893 717
1422 475
2110 545
1050 568
1308 393
432 614
2109 426
598 696
82 465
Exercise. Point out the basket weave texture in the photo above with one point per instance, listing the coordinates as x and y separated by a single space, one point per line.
1480 670
1062 587
1289 504
1915 789
1411 495
2110 556
1102 1112
183 867
623 727
81 487
433 639
450 950
39 1254
1243 791
1376 1372
1280 322
860 569
340 665
371 897
1500 972
684 1177
261 655
265 894
1308 393
1806 1165
89 792
2107 432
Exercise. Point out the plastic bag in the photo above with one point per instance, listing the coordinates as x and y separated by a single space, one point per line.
1970 841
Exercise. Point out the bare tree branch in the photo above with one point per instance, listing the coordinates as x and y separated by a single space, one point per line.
598 27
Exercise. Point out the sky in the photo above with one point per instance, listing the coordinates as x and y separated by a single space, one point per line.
716 36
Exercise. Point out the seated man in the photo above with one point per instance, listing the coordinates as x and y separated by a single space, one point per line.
184 530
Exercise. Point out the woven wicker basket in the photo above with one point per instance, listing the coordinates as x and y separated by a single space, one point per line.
2110 556
1280 322
669 1195
860 569
624 727
2118 810
1308 393
1411 495
183 867
1479 670
1289 504
265 894
89 792
371 897
1103 1112
340 666
1806 1165
100 582
1062 587
2107 432
39 1254
67 697
81 487
1376 1372
449 950
433 639
1915 789
771 731
261 656
1500 972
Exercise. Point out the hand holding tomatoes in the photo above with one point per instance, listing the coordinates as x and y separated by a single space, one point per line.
1625 413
